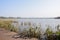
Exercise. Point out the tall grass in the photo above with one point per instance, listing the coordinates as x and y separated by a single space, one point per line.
8 25
31 33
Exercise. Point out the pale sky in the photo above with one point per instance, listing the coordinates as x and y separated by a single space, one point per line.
30 8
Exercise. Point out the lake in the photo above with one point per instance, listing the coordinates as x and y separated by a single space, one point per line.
42 22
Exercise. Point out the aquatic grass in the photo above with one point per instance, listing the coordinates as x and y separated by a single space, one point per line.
31 33
58 33
53 35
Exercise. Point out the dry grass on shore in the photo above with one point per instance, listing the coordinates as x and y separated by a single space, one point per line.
7 25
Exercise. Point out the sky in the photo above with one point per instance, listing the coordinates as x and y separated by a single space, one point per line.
30 8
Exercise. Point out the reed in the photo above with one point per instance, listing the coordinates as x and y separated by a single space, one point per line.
31 33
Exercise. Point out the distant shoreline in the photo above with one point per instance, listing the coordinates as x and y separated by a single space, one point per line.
30 18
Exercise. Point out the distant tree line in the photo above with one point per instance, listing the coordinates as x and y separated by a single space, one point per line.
57 17
9 17
2 17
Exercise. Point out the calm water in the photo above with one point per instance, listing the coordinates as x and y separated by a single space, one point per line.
43 22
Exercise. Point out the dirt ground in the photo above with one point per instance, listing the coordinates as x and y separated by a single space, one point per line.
7 35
